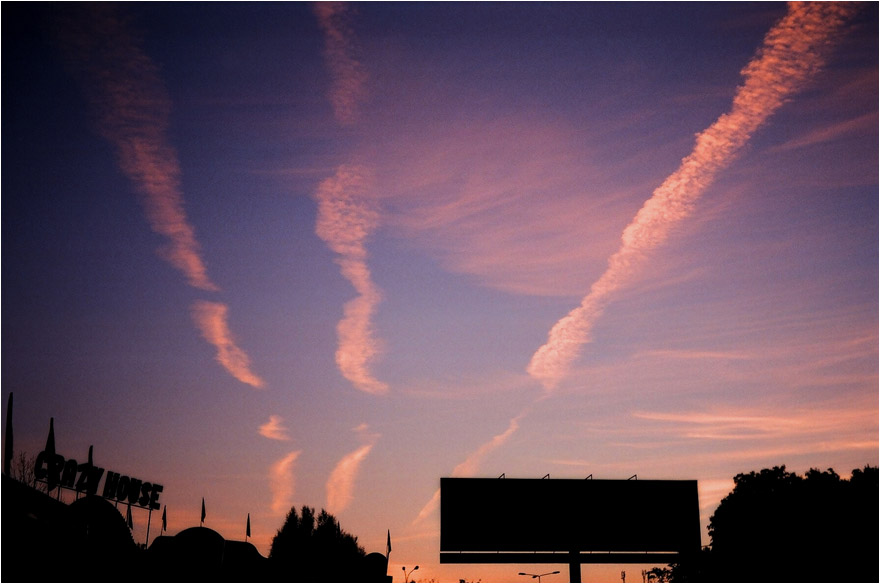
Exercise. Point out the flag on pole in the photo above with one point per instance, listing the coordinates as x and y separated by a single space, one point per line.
128 516
388 545
203 510
164 518
248 532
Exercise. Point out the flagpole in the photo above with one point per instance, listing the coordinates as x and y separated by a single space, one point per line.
8 452
149 519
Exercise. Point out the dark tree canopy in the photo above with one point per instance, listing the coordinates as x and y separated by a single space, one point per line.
776 526
315 549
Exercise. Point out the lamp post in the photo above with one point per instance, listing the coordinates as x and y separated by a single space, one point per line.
538 576
406 574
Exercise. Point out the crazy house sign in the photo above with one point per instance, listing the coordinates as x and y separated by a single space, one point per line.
85 477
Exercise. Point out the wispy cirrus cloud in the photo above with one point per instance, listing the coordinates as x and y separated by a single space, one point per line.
346 213
275 429
793 50
823 423
471 465
340 484
132 110
346 218
830 132
210 318
282 482
349 85
511 213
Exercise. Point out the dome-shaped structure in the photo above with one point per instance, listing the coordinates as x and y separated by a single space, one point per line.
98 535
98 525
204 546
199 554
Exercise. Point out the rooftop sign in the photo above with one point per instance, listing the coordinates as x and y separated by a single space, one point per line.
56 471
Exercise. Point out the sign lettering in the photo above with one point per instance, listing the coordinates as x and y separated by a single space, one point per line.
84 478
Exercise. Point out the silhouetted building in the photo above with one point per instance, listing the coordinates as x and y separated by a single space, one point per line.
201 554
47 540
88 540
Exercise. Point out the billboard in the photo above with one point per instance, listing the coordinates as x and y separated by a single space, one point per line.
553 515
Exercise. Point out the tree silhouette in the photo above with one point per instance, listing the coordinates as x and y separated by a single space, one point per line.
776 526
22 470
315 549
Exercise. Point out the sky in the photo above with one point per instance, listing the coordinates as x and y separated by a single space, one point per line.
326 254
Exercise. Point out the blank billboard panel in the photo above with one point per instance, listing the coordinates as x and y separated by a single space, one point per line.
528 515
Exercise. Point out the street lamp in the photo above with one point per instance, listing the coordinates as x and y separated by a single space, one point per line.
538 576
407 574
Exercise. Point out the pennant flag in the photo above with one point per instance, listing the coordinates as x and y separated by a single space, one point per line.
164 518
128 517
7 444
388 545
203 510
248 532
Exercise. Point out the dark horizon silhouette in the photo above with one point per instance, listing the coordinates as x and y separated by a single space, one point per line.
89 540
775 526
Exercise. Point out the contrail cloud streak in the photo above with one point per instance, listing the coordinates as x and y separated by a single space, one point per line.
340 483
132 110
210 318
349 76
282 482
471 464
346 218
793 50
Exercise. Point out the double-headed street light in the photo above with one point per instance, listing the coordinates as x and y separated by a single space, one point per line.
407 574
538 576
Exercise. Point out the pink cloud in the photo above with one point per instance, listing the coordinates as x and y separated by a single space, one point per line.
471 465
132 110
340 484
831 132
210 318
346 217
282 482
821 424
274 429
512 213
792 51
348 89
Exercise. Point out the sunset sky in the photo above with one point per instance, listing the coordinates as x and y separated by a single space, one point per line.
324 254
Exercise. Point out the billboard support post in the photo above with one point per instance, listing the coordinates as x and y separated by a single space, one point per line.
574 566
